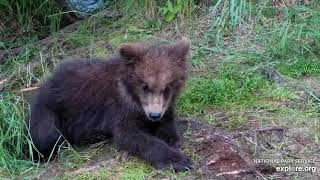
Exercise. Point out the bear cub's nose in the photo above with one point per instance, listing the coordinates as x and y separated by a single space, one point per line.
155 116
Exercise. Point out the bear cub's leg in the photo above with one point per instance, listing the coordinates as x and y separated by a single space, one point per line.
168 133
151 148
43 131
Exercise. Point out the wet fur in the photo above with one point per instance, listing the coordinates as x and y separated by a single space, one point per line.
86 99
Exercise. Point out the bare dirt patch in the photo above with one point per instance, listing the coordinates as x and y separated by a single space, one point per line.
225 155
313 83
216 157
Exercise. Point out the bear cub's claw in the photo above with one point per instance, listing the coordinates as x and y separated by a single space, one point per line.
184 164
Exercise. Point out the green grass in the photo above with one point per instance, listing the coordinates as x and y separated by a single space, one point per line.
134 170
21 72
231 86
12 137
233 90
152 9
29 18
143 8
286 38
230 15
290 40
300 67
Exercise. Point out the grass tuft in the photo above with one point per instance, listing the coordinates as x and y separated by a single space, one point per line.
229 15
13 140
230 87
29 18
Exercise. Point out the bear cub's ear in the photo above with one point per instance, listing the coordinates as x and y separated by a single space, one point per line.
131 52
180 49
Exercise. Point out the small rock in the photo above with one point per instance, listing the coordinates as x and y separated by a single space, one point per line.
273 75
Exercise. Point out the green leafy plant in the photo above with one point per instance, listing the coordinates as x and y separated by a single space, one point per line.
171 10
229 17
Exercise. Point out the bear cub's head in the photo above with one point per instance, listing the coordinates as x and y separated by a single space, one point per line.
155 74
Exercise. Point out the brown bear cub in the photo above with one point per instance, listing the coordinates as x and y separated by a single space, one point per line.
130 98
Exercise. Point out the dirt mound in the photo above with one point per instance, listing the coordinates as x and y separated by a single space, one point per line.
252 154
222 160
217 156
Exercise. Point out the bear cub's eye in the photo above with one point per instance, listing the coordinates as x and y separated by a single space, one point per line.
166 91
145 88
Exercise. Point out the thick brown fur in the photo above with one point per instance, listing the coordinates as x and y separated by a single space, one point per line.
113 98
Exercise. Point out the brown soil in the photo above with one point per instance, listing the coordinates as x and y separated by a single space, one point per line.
217 156
224 155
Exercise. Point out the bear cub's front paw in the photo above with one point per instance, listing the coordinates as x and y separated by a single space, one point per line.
185 164
177 161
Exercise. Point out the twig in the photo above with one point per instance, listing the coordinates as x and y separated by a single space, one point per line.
233 172
3 81
29 89
270 129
